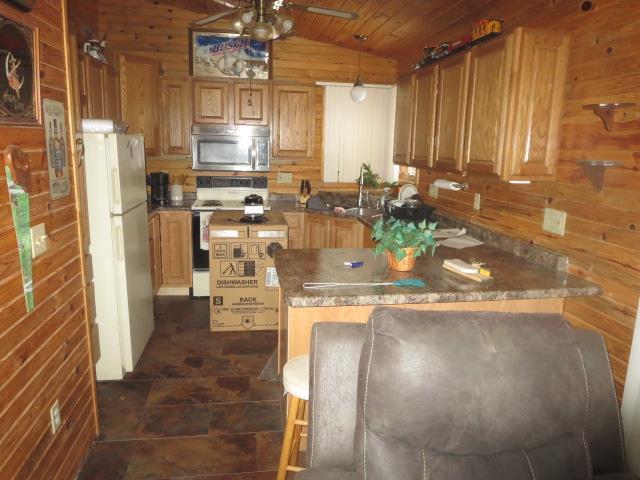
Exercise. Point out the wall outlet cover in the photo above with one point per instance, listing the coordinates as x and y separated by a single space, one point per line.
433 191
285 177
554 221
476 201
38 240
56 419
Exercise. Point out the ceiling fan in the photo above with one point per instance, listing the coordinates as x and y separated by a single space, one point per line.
263 20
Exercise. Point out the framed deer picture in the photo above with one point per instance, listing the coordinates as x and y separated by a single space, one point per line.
19 74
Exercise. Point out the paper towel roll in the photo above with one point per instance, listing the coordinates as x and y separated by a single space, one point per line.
97 126
449 185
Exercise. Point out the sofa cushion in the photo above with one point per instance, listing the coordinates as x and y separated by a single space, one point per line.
462 395
326 474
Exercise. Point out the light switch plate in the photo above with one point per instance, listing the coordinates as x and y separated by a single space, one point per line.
56 418
554 221
38 240
433 191
476 201
285 177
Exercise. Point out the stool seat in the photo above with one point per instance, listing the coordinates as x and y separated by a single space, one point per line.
295 377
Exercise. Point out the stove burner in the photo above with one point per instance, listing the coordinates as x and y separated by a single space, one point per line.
211 203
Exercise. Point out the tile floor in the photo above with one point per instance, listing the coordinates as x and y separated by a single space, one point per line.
193 409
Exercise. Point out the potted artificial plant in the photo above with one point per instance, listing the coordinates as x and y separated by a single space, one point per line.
403 241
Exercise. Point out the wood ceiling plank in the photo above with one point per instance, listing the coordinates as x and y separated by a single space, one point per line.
336 25
367 9
386 11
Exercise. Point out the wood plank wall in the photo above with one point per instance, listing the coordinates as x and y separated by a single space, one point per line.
160 32
44 355
602 236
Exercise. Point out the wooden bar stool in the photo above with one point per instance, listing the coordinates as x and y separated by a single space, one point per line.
295 378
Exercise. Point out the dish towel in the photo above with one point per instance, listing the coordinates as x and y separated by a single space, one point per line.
204 230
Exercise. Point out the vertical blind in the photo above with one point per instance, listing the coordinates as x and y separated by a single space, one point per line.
356 133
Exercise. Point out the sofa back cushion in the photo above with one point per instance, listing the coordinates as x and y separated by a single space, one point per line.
470 395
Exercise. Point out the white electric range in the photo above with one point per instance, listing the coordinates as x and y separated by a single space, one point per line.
217 194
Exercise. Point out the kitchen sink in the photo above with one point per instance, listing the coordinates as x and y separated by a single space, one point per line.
362 212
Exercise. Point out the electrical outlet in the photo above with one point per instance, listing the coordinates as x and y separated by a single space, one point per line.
285 177
433 191
38 240
476 201
56 419
554 221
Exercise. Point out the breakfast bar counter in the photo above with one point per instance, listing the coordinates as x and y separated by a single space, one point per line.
520 282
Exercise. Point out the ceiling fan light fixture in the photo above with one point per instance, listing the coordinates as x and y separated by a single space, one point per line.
358 92
262 31
248 17
237 24
284 23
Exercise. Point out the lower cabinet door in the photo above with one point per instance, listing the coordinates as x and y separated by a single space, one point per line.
345 233
316 231
175 235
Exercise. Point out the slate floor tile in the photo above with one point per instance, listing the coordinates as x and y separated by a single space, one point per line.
245 417
178 391
123 393
269 445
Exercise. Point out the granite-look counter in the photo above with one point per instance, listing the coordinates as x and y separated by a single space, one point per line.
153 208
514 278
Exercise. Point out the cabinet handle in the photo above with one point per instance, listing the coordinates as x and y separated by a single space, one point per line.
80 151
119 243
114 184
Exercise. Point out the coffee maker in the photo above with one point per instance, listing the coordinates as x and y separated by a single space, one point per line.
159 182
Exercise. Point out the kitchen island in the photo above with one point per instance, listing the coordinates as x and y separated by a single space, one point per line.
525 280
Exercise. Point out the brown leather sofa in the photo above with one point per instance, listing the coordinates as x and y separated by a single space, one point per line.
461 395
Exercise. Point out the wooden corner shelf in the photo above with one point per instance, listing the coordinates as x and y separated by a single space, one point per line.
606 110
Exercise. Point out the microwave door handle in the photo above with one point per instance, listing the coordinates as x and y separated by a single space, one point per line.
254 153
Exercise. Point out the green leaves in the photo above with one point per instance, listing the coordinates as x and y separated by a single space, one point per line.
395 235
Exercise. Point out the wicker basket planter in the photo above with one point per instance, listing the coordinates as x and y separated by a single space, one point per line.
404 265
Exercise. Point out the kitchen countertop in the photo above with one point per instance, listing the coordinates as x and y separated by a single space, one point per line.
514 278
153 208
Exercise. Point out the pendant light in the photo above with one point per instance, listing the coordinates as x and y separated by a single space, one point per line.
358 92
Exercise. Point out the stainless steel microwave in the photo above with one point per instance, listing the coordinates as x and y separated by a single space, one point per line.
241 148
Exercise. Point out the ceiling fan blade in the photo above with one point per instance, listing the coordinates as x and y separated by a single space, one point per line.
334 12
217 16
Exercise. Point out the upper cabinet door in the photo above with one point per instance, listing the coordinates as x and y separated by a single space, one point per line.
175 116
486 119
111 97
293 111
404 121
541 68
95 87
211 102
452 103
426 88
139 98
251 103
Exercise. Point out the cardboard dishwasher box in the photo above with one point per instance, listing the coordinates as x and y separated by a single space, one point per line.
244 284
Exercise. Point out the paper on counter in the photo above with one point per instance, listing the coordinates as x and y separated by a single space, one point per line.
449 232
464 241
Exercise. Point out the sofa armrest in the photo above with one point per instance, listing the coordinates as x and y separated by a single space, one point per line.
604 426
333 377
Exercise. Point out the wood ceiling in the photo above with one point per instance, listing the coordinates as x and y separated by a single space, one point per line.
396 28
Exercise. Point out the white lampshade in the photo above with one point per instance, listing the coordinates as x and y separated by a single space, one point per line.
284 23
262 31
358 92
238 25
248 17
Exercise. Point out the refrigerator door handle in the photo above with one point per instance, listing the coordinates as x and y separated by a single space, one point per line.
116 187
119 243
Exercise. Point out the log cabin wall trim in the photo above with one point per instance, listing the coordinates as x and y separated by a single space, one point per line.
44 354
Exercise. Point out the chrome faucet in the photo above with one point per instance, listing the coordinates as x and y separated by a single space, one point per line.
361 186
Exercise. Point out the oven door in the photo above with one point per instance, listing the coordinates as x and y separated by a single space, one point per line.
222 152
200 259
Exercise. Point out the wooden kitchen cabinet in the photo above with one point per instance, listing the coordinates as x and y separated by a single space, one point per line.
295 222
251 103
139 98
452 87
111 93
486 118
293 120
176 258
424 119
316 230
155 252
211 102
405 104
175 116
345 233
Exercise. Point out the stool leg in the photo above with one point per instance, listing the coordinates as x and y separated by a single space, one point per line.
297 432
288 437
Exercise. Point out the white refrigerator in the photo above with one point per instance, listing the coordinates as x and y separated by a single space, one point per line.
119 248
